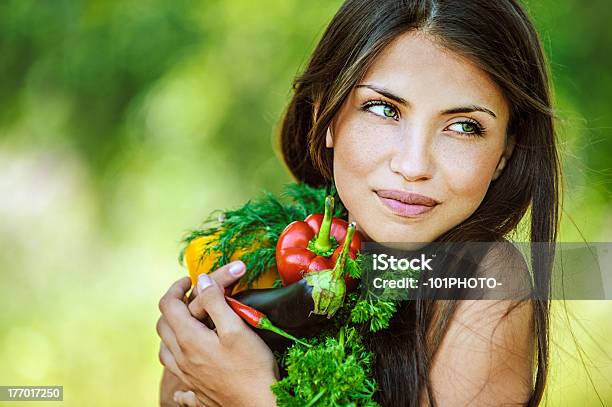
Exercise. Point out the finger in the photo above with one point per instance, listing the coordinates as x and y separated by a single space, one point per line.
185 398
205 319
212 301
177 290
192 294
167 335
229 274
174 309
204 401
189 398
166 359
224 277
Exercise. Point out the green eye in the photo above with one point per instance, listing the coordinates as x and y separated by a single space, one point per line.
389 112
465 127
382 109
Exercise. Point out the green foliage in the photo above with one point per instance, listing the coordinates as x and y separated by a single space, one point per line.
308 199
375 313
337 370
352 267
334 372
257 225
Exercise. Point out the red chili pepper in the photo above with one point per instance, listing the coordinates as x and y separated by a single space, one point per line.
313 244
258 319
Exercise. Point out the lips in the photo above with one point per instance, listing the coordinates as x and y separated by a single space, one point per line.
406 204
407 197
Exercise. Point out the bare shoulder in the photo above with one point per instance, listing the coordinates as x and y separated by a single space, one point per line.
507 265
486 356
501 256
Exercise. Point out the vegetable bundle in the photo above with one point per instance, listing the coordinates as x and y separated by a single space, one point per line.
303 264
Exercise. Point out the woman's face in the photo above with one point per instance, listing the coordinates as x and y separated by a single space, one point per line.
425 121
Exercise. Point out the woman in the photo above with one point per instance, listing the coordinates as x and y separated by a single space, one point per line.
445 99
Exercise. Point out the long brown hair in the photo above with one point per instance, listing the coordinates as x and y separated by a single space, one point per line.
499 37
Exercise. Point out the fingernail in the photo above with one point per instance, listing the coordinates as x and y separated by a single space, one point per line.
203 281
237 268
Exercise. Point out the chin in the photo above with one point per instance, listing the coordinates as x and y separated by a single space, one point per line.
384 231
401 232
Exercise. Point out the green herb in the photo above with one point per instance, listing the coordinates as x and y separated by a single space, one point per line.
353 267
376 314
334 372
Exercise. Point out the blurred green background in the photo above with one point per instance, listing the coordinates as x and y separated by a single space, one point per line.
124 123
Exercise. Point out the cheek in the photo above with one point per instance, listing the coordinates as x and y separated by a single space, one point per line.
359 156
467 173
359 150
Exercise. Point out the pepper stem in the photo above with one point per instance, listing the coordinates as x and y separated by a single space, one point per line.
265 323
341 260
322 242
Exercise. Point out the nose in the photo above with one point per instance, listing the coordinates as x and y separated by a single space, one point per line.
412 158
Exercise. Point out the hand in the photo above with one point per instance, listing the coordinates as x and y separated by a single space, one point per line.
227 366
171 388
173 392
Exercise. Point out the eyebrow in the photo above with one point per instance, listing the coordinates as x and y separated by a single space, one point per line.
386 93
460 109
469 109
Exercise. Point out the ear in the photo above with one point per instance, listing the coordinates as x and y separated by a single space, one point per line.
329 141
503 160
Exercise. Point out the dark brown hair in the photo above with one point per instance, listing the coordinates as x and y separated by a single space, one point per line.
499 37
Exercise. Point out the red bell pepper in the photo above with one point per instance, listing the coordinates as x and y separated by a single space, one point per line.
313 244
